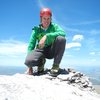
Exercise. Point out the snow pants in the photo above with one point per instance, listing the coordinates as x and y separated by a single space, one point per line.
56 51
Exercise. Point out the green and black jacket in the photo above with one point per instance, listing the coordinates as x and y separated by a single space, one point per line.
37 33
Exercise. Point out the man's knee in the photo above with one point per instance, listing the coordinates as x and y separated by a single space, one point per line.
61 39
31 62
28 63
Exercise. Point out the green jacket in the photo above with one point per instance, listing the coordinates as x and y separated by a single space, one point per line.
37 33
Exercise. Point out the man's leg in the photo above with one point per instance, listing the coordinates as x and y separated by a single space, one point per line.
33 59
41 65
58 49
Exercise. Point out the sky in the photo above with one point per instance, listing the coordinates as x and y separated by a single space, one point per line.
80 20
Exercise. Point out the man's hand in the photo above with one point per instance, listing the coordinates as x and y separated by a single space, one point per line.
42 41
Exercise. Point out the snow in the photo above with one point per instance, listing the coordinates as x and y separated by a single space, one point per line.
27 87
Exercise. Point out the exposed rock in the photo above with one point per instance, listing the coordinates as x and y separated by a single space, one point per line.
76 79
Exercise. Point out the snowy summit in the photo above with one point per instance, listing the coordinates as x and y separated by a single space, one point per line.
71 86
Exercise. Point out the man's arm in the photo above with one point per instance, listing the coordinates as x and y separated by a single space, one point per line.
32 41
58 31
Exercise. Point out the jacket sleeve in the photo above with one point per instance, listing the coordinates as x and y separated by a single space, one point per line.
58 31
32 41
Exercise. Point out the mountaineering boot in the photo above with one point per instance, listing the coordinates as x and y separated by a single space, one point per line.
54 70
41 66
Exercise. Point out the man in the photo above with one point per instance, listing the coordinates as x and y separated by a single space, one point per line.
47 41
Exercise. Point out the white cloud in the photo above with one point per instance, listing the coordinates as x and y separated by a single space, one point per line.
93 60
95 32
87 22
77 49
72 29
74 44
12 47
96 53
12 52
92 53
78 38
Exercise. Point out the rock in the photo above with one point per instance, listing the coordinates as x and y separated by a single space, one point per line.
75 78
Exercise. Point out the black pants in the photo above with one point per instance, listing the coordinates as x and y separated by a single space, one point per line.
56 51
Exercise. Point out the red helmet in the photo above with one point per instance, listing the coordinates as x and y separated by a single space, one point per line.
45 11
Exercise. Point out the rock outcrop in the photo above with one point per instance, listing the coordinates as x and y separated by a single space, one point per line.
76 79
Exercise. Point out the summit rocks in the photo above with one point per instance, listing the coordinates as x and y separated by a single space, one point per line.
68 85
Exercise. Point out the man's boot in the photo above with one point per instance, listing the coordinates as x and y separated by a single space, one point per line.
41 66
54 70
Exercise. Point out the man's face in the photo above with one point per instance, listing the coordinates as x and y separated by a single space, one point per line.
45 20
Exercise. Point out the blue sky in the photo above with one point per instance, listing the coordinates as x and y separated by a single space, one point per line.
79 18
